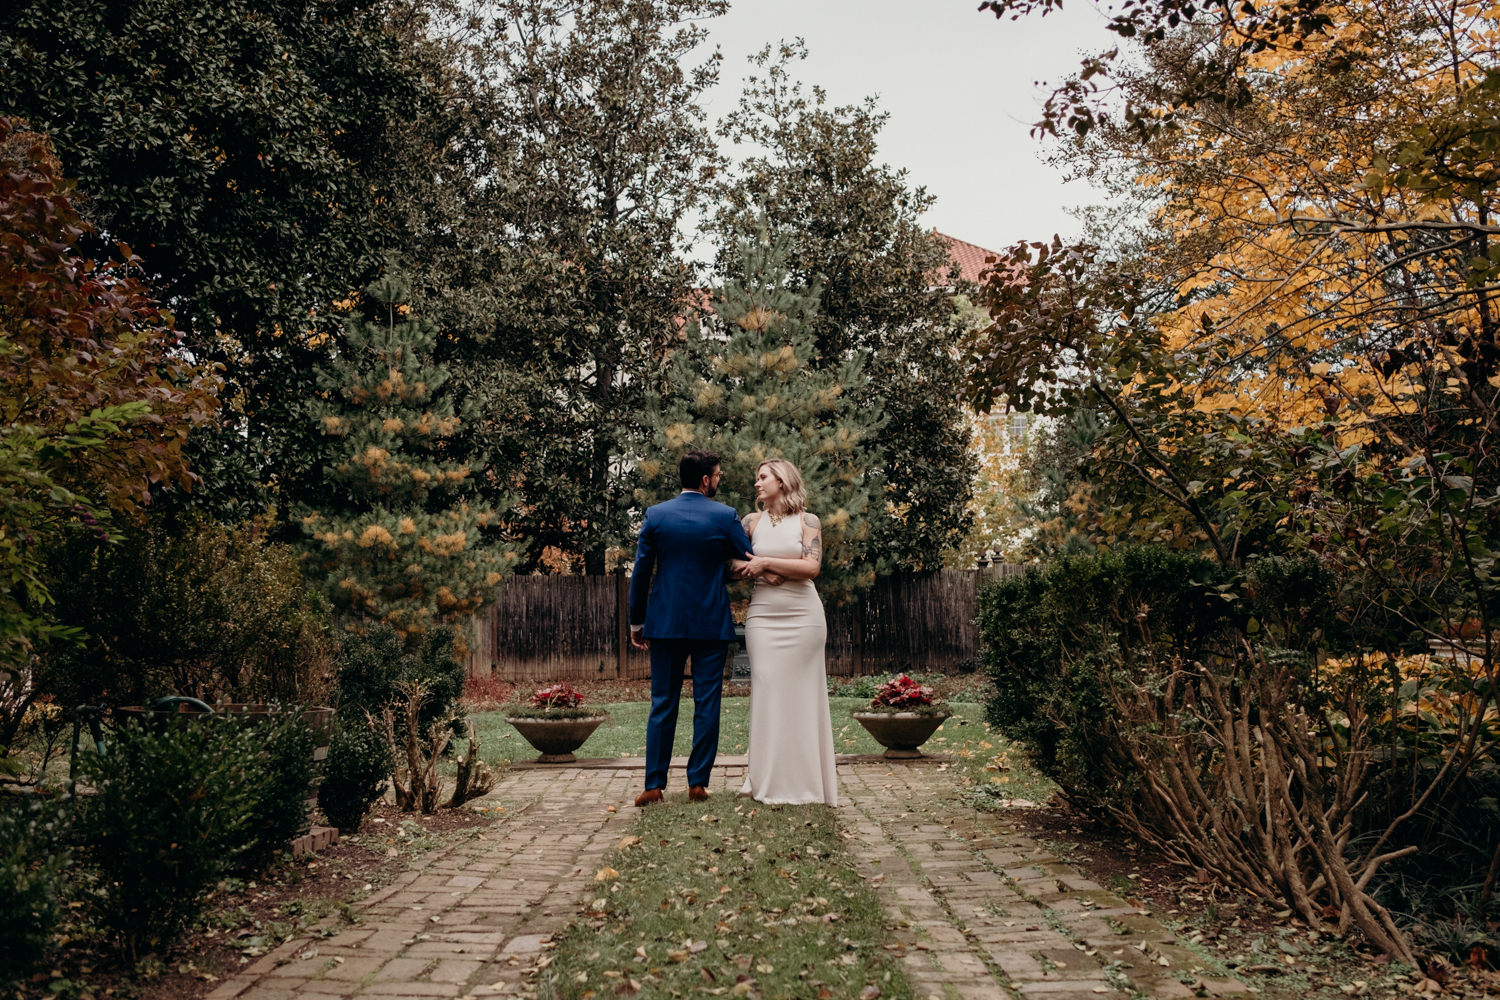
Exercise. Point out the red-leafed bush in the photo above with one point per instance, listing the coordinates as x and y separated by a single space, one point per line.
902 692
557 696
485 694
83 336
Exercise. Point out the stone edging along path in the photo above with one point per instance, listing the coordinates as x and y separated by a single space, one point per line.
981 912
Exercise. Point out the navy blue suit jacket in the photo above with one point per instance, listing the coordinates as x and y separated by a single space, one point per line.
686 542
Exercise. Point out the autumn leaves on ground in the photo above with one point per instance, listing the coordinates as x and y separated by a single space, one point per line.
751 899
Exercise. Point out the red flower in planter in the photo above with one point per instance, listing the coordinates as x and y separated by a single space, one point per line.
557 696
903 692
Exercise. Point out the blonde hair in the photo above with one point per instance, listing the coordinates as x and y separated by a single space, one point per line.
793 493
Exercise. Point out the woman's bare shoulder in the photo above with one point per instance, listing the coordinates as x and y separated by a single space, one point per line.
749 520
811 520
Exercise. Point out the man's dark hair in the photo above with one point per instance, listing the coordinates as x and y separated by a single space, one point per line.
695 465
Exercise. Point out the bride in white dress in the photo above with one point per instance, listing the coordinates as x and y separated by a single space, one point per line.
791 736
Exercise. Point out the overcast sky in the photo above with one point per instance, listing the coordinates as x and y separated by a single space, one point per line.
960 87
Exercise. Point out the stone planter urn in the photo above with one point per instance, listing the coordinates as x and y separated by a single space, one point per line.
901 733
556 739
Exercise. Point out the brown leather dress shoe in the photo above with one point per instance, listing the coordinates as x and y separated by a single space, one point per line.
649 796
697 794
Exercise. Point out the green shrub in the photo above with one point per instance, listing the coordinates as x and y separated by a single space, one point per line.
174 811
282 814
375 659
359 763
1056 639
215 611
31 866
1049 636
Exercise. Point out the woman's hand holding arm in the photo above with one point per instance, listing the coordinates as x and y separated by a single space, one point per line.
805 568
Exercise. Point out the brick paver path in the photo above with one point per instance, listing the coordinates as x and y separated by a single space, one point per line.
981 912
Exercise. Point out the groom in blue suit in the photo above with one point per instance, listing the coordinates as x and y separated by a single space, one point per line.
682 615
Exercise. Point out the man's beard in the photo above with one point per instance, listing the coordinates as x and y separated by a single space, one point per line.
710 491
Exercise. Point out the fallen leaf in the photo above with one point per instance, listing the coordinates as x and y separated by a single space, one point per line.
869 992
582 977
765 967
698 946
606 874
678 956
629 841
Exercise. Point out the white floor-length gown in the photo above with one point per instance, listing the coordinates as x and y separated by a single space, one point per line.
791 736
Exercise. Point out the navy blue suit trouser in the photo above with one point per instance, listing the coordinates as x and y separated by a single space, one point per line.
667 659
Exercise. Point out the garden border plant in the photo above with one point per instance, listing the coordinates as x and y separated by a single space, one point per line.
173 812
1136 677
355 776
31 876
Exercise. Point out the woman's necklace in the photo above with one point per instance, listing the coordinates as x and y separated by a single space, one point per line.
775 518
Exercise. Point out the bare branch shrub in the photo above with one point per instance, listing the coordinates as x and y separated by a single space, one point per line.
475 779
1235 772
415 781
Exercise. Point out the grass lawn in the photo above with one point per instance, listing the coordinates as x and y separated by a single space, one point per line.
624 735
758 901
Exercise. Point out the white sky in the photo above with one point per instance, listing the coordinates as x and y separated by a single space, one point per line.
961 90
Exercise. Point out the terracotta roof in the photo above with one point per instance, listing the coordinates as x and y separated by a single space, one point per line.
969 258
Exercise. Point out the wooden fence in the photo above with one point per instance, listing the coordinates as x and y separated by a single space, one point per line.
545 628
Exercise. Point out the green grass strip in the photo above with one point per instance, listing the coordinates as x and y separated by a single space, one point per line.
729 898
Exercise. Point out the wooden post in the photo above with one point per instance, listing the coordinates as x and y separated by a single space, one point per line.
622 623
857 645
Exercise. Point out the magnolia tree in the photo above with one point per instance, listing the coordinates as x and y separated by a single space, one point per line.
398 539
744 386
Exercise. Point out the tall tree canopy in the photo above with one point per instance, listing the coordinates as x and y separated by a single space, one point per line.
251 152
887 290
601 153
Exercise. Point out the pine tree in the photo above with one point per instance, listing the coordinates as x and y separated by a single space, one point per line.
746 387
398 539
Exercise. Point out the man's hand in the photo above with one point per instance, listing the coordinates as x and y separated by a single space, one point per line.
639 641
774 579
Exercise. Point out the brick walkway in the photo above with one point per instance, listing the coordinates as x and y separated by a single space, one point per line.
981 912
